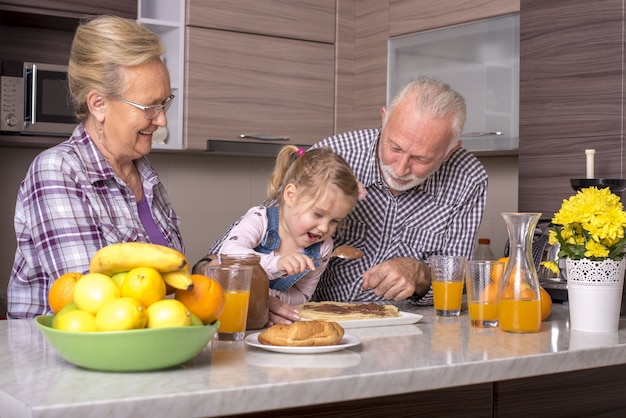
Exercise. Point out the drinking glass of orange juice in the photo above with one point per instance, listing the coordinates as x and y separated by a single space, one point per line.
235 279
482 281
447 274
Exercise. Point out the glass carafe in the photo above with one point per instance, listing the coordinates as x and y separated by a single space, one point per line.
258 309
519 305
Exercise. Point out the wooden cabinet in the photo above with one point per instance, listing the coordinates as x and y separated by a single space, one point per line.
257 86
311 20
408 16
571 97
123 8
259 72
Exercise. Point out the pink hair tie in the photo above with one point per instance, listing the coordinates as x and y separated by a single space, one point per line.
300 151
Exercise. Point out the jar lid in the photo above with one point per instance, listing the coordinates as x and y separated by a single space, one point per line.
484 241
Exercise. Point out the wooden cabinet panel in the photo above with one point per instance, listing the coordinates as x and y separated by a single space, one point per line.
126 8
408 16
586 393
571 97
547 164
570 69
239 83
463 401
312 20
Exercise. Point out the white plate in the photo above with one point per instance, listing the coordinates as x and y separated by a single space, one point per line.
347 341
405 318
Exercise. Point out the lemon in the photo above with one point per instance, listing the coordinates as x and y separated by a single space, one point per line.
118 278
69 307
93 290
121 314
168 313
195 320
144 284
77 321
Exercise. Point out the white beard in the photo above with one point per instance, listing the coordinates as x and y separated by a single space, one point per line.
390 178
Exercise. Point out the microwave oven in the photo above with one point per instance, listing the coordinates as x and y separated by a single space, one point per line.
34 99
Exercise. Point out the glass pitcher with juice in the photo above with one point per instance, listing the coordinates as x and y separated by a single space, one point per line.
258 308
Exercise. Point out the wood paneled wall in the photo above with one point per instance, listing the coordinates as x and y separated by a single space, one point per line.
571 96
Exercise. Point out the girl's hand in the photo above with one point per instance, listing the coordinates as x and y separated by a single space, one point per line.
281 312
295 263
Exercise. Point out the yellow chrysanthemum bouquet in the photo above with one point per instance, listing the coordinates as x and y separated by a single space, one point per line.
589 225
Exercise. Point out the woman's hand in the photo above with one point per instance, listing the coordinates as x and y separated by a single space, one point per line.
281 312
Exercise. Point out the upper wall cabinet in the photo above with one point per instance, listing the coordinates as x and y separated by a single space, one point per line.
253 88
481 61
75 7
259 72
408 16
310 20
249 76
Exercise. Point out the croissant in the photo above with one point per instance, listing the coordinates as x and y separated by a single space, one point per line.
302 334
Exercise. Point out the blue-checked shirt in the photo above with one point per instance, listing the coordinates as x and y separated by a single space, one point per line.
69 205
441 216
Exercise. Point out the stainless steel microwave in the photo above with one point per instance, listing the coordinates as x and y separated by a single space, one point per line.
34 99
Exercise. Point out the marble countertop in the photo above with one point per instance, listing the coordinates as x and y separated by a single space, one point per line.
232 378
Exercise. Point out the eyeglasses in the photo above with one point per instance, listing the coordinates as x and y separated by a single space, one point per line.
151 112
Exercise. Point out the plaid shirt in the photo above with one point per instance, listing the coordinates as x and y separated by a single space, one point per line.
69 205
441 216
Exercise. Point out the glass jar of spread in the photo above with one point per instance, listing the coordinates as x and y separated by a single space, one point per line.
259 308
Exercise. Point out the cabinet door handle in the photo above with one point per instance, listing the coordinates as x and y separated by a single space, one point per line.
265 137
479 134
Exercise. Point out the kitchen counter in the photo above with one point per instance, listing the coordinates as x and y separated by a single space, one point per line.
231 378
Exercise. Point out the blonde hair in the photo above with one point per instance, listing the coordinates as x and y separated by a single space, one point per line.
101 47
311 172
435 98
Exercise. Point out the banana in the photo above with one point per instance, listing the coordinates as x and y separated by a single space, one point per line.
125 256
179 279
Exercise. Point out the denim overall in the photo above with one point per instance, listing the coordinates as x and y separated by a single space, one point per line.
271 242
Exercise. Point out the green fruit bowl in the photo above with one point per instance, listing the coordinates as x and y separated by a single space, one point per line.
128 351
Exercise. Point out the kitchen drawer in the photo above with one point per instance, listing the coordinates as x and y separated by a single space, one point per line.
242 84
312 20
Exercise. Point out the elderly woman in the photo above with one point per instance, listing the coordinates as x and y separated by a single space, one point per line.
97 188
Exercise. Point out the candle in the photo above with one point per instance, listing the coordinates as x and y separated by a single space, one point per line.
590 153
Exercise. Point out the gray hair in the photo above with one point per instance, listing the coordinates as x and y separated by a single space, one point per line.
434 98
101 47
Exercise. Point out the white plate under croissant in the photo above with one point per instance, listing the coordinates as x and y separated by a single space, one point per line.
346 342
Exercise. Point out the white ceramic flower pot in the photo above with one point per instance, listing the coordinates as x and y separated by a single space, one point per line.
594 292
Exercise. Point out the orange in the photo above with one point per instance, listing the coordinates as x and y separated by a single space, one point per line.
93 290
205 300
144 284
546 303
62 291
490 292
496 273
168 313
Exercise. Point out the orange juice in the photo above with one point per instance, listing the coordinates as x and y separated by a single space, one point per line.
519 315
483 311
233 318
447 297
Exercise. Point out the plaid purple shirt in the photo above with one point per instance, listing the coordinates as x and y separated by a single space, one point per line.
69 205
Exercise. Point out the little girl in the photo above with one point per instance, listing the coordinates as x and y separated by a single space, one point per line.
315 190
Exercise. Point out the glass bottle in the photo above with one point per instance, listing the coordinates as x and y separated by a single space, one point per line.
483 250
519 305
259 307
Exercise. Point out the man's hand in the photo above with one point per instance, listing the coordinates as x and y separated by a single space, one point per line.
398 278
281 312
